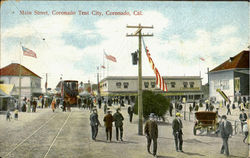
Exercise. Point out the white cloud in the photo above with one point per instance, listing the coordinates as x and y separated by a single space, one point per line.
56 57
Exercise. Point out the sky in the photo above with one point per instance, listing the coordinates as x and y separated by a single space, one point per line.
72 46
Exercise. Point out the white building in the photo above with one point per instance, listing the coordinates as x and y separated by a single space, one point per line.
178 86
30 82
230 80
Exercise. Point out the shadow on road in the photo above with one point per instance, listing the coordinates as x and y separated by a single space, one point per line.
166 138
194 141
235 156
118 142
159 156
193 154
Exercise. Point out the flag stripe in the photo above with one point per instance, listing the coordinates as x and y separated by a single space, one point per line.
159 80
110 57
28 52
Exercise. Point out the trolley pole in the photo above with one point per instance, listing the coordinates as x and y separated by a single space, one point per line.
140 106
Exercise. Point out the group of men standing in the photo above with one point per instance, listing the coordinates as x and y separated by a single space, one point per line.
108 123
151 132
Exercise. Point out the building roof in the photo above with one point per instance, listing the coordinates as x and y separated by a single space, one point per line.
13 70
239 61
150 78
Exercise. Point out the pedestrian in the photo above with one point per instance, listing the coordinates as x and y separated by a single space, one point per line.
196 108
170 109
151 131
233 106
225 129
64 106
16 114
43 102
28 105
53 105
94 123
206 106
245 130
228 109
130 112
243 118
193 104
177 132
8 115
217 112
105 107
34 105
108 119
118 118
190 108
100 102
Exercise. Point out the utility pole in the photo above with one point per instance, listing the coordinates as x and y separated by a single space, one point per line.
140 106
208 83
46 84
98 85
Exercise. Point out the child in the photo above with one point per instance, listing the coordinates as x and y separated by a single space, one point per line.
8 114
16 114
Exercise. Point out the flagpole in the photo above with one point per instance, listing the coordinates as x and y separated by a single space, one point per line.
20 76
103 65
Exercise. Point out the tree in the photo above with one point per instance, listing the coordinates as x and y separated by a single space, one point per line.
152 103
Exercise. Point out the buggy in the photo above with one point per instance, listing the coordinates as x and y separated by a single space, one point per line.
206 120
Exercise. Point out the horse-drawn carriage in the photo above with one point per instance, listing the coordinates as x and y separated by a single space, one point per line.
206 121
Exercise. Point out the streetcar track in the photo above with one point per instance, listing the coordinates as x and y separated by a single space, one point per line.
54 140
17 146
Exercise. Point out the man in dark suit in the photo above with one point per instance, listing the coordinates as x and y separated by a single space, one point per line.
225 129
177 132
151 132
94 123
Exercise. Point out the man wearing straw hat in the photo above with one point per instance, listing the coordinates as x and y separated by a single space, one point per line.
108 119
177 132
151 132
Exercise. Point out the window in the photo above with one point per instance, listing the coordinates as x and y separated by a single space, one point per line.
216 84
225 84
125 84
172 84
146 84
185 84
191 84
118 84
153 84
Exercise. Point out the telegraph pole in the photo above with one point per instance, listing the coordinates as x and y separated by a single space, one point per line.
140 106
98 85
46 84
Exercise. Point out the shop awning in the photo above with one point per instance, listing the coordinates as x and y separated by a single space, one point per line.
6 89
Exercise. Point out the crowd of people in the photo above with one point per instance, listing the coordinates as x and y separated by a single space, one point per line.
151 128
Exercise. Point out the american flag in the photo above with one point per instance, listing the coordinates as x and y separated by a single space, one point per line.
202 59
28 52
110 57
